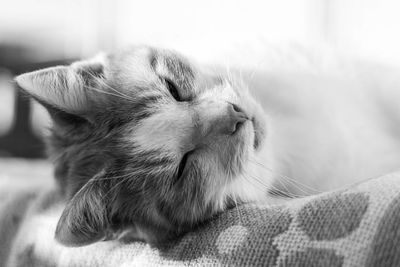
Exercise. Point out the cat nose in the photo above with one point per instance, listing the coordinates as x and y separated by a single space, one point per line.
234 120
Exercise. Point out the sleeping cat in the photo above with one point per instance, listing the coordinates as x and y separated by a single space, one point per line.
147 143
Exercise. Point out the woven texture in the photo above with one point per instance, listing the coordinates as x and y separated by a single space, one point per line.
357 226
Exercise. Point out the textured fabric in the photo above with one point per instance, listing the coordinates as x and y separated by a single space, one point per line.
357 226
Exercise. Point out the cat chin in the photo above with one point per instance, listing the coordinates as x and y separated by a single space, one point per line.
252 184
244 189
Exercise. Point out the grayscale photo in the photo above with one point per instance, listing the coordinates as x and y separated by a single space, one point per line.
199 133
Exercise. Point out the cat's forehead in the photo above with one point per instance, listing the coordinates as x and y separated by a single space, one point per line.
143 64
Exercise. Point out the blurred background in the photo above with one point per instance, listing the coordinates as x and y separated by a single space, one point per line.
41 33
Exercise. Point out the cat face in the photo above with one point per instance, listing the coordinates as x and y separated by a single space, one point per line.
143 138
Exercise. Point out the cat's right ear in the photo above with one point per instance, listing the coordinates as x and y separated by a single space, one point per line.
85 217
65 89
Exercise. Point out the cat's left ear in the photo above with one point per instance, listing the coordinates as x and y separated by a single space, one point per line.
65 88
85 218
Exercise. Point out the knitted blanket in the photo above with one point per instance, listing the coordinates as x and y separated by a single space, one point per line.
357 226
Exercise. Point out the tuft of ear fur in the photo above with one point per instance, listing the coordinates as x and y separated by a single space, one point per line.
85 218
66 88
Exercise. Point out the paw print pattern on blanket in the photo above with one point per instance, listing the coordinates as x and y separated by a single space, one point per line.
386 243
263 248
248 230
333 217
326 219
228 245
313 257
244 232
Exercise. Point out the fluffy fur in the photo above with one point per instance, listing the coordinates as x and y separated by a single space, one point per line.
119 137
130 155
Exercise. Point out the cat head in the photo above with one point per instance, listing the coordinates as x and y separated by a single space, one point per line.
144 137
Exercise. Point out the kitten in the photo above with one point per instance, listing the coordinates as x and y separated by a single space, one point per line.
147 141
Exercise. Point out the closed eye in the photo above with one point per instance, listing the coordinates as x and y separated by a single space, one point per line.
182 164
173 90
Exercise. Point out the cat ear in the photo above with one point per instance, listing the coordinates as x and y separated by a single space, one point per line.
66 88
85 218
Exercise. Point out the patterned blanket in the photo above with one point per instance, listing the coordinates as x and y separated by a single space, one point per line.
357 226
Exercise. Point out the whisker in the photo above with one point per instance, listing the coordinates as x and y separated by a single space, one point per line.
293 181
302 190
113 177
115 186
287 189
108 86
144 186
237 209
270 186
107 93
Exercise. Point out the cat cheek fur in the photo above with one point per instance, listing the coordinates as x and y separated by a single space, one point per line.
165 131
